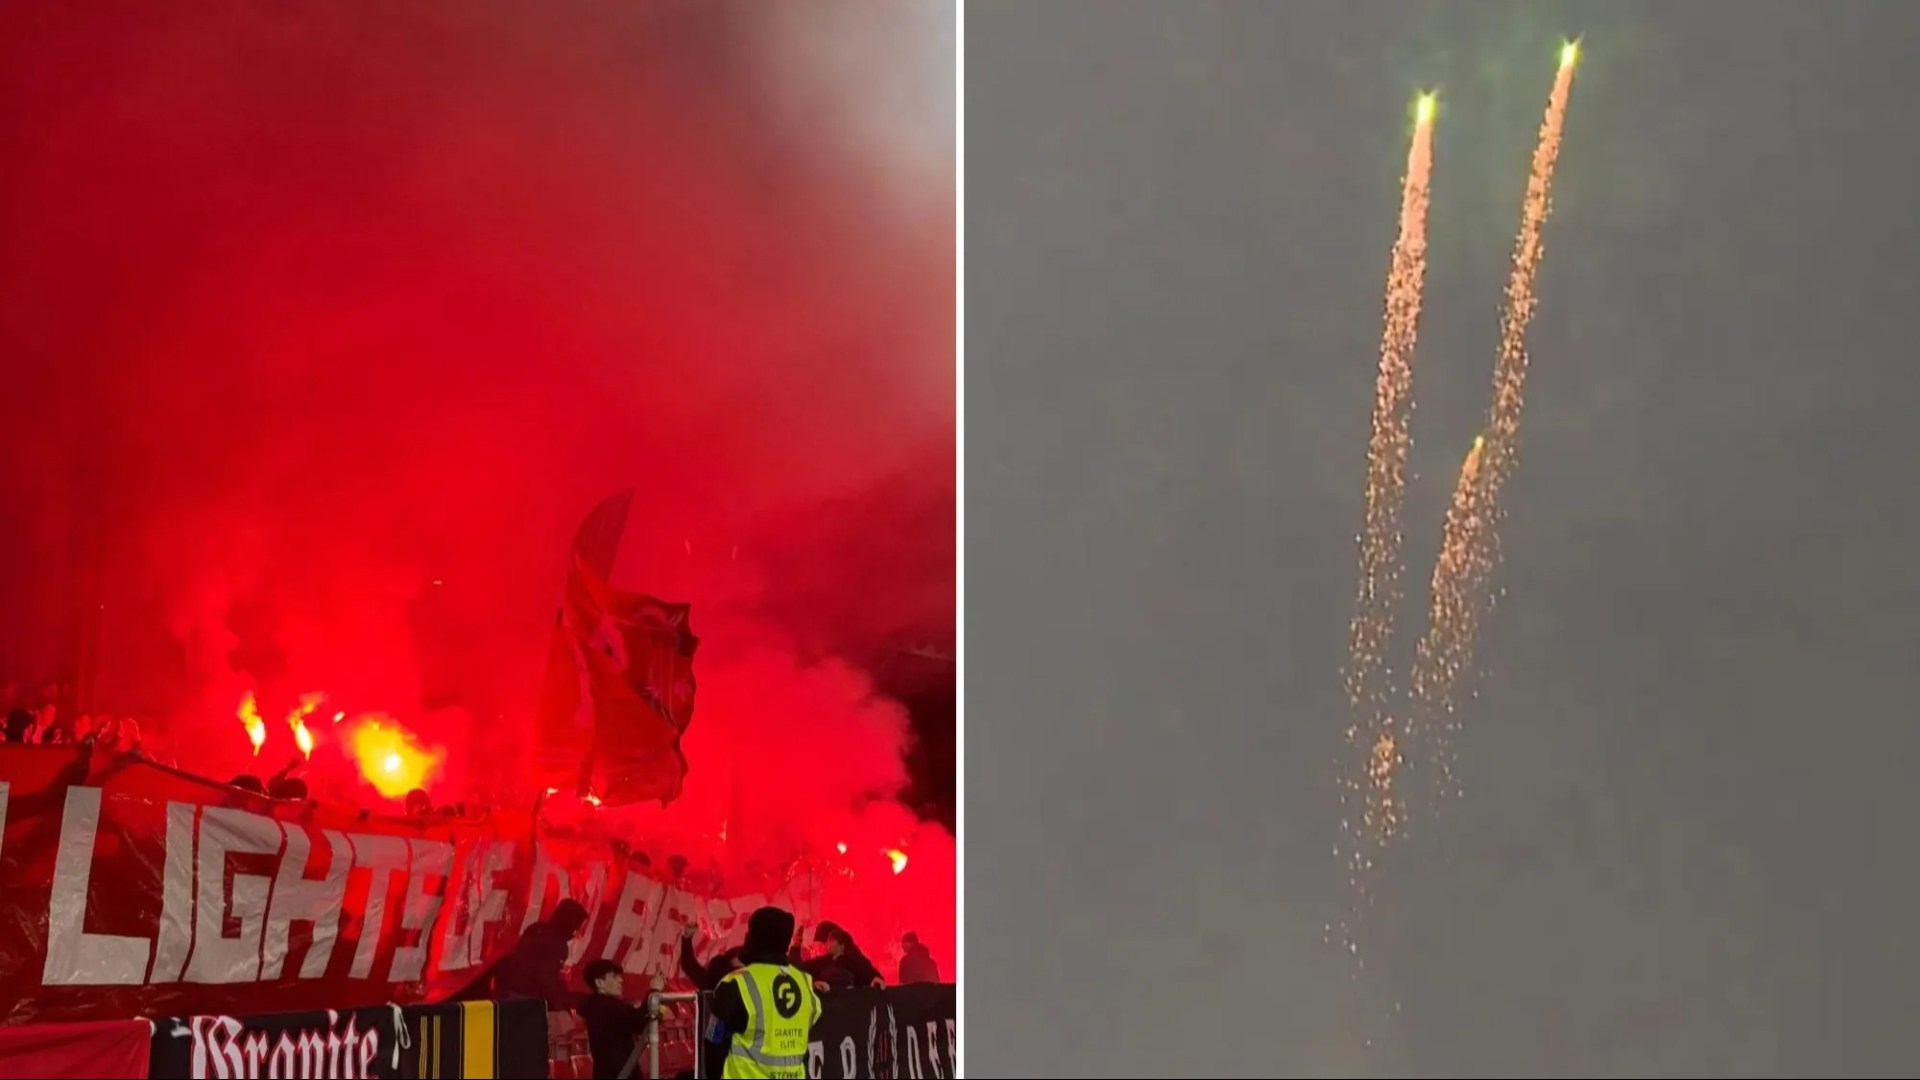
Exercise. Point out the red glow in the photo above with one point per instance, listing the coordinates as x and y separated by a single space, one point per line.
353 317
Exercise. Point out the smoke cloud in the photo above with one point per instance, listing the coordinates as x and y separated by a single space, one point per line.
323 326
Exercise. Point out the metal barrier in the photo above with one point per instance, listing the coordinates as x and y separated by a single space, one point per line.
656 1005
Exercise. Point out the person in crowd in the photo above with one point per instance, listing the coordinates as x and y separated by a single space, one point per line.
766 1009
614 1026
842 964
53 730
533 969
916 961
288 789
249 783
419 804
118 735
704 977
20 726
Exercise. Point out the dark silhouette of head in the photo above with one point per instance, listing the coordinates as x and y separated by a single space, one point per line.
769 932
568 917
602 977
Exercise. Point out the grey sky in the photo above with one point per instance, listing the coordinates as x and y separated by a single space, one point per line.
1685 848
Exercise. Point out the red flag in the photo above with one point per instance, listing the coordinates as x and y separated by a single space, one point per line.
633 655
565 726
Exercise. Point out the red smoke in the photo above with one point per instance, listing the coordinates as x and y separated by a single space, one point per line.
323 325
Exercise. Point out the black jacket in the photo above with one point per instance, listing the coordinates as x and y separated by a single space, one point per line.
614 1028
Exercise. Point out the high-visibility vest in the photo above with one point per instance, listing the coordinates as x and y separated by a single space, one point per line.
781 1011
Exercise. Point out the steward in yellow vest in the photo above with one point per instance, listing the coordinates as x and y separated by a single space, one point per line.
768 1007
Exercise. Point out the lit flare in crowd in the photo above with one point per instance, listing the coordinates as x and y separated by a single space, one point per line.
1470 547
297 720
1370 730
897 858
389 757
249 714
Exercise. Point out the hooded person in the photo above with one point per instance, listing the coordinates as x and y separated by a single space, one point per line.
765 1009
916 961
534 968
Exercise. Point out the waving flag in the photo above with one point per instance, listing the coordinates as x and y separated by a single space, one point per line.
620 685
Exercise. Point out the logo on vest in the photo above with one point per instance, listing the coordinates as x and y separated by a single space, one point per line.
786 996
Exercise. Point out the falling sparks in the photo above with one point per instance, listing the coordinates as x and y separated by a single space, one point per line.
249 714
1386 727
1371 731
1460 576
1470 543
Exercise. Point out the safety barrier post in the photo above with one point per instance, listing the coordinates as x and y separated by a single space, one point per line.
654 1001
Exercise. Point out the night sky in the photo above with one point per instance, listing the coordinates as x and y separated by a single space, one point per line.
1682 848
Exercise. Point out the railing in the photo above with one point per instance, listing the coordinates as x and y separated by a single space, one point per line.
655 1005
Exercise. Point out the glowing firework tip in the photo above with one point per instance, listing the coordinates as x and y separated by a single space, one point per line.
1569 53
898 859
1423 109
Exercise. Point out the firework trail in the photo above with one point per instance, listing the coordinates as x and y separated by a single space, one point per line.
1372 807
1460 575
1470 544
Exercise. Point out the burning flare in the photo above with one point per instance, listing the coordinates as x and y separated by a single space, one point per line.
389 757
249 714
297 720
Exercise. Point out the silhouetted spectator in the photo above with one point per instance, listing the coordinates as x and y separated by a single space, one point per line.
704 976
532 969
419 804
249 783
916 965
19 726
289 789
843 964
